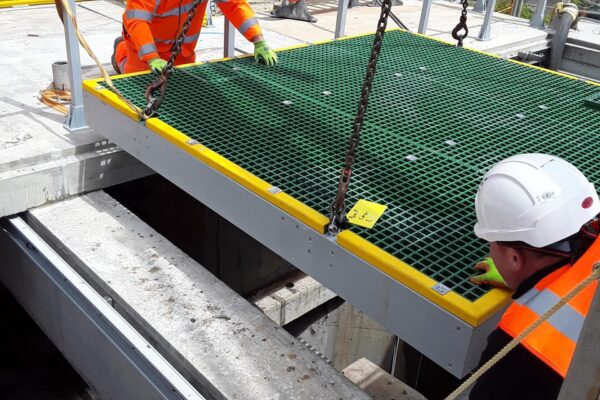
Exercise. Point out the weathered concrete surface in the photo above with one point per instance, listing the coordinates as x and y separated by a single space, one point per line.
45 182
231 255
221 342
343 335
39 160
379 384
291 298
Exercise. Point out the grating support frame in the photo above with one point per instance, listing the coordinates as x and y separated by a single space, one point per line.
438 118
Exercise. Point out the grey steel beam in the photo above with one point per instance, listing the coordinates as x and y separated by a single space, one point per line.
228 39
424 20
517 8
393 305
485 31
340 21
113 358
537 21
479 6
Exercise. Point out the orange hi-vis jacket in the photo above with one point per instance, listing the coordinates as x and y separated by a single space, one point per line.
554 341
150 28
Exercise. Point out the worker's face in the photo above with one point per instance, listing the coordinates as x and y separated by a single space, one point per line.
510 263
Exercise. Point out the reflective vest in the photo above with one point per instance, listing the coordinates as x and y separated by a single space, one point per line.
554 341
151 26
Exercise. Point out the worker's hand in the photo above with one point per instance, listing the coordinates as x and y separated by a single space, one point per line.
157 65
490 275
263 53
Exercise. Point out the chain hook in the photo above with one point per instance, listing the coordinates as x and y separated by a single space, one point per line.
462 25
160 82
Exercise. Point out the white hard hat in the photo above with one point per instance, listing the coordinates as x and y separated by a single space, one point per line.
533 198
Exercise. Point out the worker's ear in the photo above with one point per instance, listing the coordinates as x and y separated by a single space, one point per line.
513 260
517 259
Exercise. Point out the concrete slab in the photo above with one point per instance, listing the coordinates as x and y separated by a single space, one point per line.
39 160
378 383
222 343
506 31
291 298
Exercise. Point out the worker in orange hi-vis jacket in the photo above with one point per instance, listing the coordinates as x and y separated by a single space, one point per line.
150 28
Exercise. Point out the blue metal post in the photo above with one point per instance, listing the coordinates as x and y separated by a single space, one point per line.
424 21
340 22
76 119
229 40
485 31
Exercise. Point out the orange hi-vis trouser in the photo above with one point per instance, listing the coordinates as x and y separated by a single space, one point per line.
150 28
554 341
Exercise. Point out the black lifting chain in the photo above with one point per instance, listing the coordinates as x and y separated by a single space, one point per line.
338 219
160 83
462 25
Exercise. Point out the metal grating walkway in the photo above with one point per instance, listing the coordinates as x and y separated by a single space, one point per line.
438 118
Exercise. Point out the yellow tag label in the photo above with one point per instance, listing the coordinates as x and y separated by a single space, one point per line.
365 213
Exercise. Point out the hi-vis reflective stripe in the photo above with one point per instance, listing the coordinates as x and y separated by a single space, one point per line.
156 7
173 12
138 14
147 49
187 39
247 24
566 320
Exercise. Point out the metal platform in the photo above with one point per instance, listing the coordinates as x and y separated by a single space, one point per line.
438 118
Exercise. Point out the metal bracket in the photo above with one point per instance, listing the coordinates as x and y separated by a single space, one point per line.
441 289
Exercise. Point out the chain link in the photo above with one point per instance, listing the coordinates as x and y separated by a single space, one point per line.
462 25
160 83
338 209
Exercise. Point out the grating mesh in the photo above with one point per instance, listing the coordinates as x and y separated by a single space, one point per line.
438 118
593 101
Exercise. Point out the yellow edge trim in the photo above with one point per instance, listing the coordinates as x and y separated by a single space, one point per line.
292 47
362 34
299 210
485 53
107 96
513 61
473 313
190 64
593 83
433 38
544 69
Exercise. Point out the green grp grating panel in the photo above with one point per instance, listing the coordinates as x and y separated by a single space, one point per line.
593 101
438 118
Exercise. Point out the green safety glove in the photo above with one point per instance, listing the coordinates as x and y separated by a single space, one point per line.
157 65
263 53
490 275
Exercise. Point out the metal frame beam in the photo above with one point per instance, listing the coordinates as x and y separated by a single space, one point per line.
106 351
399 309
